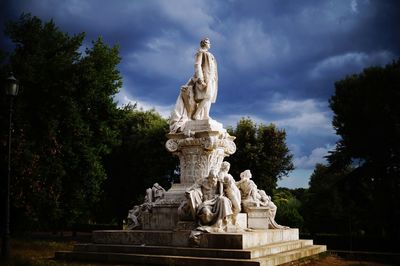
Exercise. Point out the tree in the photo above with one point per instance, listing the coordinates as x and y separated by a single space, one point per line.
288 212
367 117
64 122
137 163
326 205
263 150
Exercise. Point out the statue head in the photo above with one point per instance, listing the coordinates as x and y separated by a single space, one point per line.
245 174
205 43
262 194
213 174
225 166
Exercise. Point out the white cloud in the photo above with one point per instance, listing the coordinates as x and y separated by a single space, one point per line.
251 46
164 58
352 61
354 6
123 98
317 123
291 106
304 116
326 17
316 156
299 178
233 119
193 16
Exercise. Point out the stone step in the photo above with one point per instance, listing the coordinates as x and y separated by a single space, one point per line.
146 259
291 256
248 240
243 240
195 252
158 250
280 247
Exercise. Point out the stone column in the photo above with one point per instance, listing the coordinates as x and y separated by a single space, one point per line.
201 146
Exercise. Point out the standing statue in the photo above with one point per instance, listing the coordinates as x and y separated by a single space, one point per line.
230 189
208 203
195 97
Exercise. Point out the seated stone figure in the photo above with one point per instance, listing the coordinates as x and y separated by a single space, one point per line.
157 192
248 190
208 204
254 197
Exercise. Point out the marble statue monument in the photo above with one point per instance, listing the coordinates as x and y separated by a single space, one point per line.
206 194
195 97
207 217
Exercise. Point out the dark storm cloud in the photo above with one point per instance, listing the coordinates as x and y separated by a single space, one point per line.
278 60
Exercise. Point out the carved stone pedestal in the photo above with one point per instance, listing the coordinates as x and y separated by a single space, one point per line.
161 217
200 147
258 217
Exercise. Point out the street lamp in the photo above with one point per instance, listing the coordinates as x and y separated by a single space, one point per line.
11 90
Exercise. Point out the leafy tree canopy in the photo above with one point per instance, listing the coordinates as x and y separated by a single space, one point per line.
137 163
263 150
64 121
367 118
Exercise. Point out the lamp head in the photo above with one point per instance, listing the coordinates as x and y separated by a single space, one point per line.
12 86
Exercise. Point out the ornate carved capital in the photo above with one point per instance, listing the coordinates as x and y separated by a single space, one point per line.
172 145
200 152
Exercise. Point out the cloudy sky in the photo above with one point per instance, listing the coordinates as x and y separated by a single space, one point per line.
278 60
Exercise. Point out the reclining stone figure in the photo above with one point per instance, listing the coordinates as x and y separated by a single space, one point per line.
254 197
153 195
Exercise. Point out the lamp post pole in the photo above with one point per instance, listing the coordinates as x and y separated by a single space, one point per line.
11 91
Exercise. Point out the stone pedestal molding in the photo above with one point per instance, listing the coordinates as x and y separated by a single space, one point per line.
200 147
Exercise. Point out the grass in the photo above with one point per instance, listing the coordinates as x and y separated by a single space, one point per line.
32 252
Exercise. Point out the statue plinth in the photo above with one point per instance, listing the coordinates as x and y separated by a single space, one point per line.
258 217
201 146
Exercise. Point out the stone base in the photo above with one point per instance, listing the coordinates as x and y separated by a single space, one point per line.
258 217
241 220
162 217
262 247
224 240
207 125
176 194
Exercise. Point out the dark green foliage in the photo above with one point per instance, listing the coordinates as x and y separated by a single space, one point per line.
288 208
263 150
64 122
367 117
137 163
367 114
358 193
325 205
